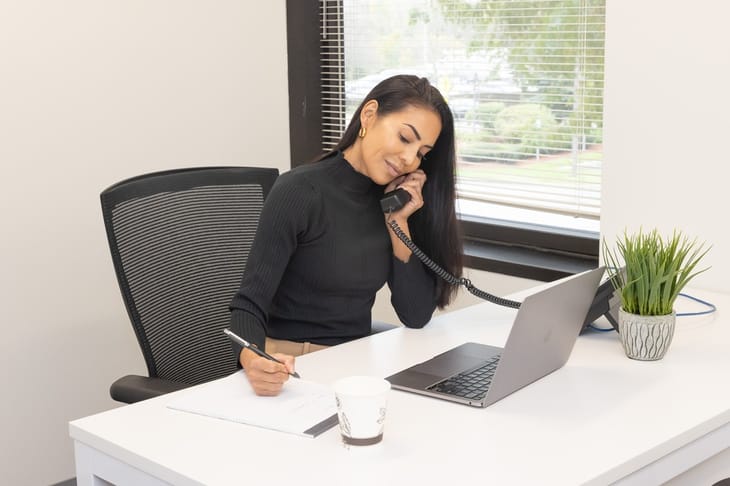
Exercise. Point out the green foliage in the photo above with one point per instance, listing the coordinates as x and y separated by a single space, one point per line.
656 270
528 124
513 132
555 48
486 113
474 150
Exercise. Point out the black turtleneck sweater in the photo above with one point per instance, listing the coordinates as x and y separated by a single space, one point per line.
321 253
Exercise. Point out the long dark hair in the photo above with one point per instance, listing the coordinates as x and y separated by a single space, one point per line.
434 227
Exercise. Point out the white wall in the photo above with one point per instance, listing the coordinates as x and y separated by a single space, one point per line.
91 92
667 102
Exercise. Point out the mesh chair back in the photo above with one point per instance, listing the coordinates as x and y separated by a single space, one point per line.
179 241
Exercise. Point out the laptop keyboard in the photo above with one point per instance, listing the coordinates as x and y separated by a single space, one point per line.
472 384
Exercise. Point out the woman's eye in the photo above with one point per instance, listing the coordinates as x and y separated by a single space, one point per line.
403 139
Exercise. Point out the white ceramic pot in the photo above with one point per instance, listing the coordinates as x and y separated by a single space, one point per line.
646 338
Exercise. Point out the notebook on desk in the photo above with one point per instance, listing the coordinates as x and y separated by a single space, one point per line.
302 408
541 340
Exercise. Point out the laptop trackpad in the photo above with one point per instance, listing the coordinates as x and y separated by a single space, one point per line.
461 358
412 379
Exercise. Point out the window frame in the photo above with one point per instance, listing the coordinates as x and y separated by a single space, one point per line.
506 247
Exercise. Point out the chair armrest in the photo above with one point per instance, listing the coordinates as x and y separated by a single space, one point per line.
135 388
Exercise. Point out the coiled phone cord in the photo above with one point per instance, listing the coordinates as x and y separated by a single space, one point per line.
435 268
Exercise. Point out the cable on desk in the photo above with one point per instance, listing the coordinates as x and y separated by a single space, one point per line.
711 306
601 329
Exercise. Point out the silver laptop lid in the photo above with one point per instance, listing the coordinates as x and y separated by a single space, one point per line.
544 333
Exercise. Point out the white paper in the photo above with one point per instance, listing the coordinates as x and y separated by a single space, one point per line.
300 405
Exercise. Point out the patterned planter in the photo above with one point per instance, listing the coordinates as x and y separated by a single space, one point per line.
646 338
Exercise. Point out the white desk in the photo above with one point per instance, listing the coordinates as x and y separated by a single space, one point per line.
602 418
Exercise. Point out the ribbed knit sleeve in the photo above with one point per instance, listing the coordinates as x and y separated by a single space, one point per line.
413 292
284 219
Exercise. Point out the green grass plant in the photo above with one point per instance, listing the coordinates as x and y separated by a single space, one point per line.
656 269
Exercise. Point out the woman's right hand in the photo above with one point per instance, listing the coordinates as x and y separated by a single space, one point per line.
266 376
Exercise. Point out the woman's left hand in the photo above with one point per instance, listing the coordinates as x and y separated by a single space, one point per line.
413 183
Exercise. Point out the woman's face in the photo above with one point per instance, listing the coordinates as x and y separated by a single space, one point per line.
395 143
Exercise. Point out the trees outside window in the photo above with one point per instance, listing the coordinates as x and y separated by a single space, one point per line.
524 80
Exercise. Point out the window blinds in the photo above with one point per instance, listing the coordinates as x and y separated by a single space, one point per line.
332 58
524 80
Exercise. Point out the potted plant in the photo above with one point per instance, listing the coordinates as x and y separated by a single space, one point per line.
649 272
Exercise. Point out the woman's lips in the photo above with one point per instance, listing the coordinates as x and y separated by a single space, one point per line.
394 172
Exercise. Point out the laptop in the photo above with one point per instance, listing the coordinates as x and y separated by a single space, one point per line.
541 340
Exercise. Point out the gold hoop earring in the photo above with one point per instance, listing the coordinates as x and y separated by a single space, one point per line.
363 131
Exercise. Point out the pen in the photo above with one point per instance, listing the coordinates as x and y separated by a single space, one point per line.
235 337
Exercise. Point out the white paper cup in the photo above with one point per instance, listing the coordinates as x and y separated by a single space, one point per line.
361 406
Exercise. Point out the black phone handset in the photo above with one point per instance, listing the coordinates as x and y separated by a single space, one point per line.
393 201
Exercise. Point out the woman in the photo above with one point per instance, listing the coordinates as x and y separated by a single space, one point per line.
323 249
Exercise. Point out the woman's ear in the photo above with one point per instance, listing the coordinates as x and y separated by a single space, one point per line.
369 113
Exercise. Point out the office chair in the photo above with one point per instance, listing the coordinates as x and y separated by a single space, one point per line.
179 241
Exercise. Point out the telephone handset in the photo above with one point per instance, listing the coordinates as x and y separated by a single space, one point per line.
396 199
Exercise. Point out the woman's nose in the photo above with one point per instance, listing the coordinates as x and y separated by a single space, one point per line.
409 157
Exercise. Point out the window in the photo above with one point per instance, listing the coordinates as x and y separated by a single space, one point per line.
524 80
